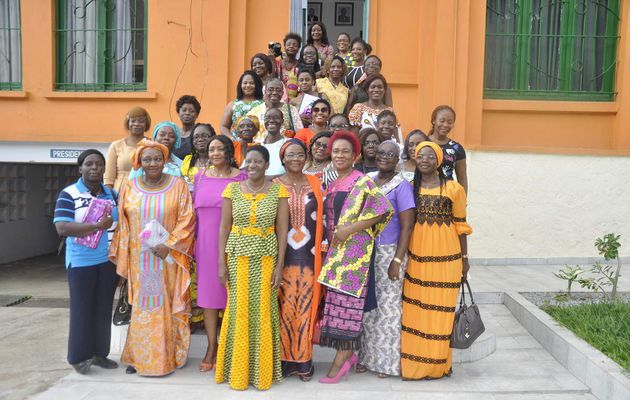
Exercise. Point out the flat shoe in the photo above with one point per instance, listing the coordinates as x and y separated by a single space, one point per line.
83 367
205 366
104 363
130 370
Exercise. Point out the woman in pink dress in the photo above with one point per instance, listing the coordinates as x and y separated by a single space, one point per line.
208 186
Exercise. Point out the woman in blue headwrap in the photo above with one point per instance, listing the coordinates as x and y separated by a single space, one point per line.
168 134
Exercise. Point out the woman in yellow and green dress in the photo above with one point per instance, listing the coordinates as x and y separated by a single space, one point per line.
252 244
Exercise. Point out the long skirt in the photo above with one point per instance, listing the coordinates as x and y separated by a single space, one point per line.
342 320
380 340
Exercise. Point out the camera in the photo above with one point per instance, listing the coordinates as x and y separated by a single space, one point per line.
276 47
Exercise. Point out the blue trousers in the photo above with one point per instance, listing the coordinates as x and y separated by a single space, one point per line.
91 301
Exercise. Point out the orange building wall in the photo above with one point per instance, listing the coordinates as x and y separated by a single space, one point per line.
432 51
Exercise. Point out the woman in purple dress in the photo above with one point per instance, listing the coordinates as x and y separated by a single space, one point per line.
208 186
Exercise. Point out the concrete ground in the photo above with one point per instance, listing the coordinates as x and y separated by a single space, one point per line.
34 339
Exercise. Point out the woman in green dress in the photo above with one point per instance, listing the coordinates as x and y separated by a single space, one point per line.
252 244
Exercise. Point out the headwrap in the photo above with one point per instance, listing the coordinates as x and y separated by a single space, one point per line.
436 148
252 118
142 146
288 143
178 136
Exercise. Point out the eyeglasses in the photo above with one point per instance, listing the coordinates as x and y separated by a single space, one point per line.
342 126
369 143
320 145
317 109
295 156
386 154
426 156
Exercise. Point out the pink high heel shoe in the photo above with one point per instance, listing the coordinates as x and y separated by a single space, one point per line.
343 371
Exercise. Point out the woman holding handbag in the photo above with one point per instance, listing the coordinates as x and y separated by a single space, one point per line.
438 262
85 213
158 275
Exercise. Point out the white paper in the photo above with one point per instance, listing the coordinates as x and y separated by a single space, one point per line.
307 102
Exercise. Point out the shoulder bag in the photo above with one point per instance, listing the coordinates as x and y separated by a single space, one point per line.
467 326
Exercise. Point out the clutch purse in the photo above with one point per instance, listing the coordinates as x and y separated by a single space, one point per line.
122 313
96 210
467 326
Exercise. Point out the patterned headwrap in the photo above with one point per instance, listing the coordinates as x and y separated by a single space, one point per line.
178 136
436 148
252 118
142 146
288 143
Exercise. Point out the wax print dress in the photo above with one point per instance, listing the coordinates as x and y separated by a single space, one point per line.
380 340
159 334
298 295
432 281
364 116
249 345
345 271
240 108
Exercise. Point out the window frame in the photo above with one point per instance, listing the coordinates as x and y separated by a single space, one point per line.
15 85
523 39
104 71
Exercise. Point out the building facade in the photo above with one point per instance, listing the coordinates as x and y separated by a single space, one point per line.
541 89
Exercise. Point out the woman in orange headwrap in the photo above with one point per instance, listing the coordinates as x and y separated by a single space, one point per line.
438 262
159 334
247 127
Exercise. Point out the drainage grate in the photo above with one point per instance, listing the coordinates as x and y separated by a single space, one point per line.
13 300
46 302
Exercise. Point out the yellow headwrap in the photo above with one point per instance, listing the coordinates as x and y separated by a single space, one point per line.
436 148
252 118
142 146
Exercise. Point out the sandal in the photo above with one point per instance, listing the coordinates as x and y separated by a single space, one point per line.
382 375
360 368
307 376
205 366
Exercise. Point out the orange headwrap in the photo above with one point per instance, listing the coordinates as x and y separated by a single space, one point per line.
436 148
142 146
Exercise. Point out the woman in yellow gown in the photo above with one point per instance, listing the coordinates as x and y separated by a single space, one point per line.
438 261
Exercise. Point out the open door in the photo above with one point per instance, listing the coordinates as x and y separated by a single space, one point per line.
349 16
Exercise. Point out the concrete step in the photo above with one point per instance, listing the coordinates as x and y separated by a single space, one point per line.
481 348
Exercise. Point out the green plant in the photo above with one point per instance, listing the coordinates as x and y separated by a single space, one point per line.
603 277
570 274
608 246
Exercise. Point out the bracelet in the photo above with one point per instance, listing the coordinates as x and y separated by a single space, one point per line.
464 255
398 260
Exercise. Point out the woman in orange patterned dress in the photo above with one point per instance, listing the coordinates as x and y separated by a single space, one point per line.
159 334
299 293
438 262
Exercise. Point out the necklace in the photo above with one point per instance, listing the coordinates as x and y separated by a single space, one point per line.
214 172
255 191
387 180
150 184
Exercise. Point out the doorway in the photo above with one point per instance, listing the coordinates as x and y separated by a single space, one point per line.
348 16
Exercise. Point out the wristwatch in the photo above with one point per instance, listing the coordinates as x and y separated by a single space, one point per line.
464 255
398 260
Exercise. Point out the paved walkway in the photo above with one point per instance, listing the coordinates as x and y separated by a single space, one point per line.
34 344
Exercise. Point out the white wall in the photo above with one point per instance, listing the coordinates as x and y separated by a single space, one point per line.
328 18
534 206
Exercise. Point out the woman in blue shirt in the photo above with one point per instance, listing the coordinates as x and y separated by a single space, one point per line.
92 277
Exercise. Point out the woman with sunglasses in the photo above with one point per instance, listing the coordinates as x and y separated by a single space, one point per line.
320 110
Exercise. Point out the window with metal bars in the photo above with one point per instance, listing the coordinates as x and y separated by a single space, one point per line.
10 45
551 49
101 45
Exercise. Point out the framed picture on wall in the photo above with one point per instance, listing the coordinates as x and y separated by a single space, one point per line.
344 13
314 12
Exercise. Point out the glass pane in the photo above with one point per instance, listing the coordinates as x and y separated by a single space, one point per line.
10 45
500 59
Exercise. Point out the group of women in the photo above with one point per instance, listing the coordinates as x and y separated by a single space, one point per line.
355 241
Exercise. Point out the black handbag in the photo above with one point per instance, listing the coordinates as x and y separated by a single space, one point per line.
467 326
122 313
